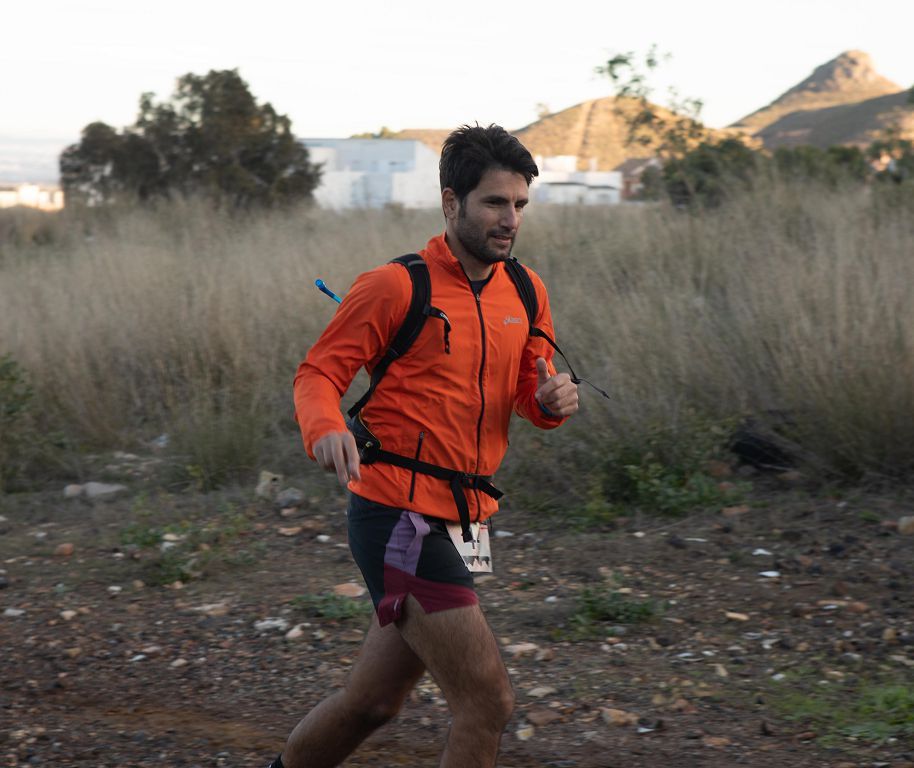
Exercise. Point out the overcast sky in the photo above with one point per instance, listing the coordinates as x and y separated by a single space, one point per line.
337 68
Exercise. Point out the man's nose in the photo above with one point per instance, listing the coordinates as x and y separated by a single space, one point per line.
510 217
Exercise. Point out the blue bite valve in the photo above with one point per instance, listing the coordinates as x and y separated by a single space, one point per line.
324 289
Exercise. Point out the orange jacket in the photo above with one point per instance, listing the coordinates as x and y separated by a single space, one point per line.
459 402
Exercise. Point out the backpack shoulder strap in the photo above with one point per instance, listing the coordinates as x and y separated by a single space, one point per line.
525 289
412 325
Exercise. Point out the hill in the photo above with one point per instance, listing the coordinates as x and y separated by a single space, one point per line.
844 101
594 130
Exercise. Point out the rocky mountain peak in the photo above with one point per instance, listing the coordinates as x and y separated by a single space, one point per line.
851 71
849 78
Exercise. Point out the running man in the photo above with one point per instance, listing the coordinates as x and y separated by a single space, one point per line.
440 418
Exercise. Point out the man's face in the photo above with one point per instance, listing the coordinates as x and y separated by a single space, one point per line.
486 223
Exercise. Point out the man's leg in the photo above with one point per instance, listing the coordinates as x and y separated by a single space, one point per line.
458 648
381 679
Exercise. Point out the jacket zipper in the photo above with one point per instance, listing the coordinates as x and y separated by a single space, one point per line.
412 482
482 396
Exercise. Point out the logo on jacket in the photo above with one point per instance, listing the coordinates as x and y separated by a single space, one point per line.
512 320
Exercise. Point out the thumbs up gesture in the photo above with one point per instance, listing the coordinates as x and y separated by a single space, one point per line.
558 394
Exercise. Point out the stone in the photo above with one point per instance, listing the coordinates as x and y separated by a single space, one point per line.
715 741
542 717
268 485
906 526
349 589
742 509
733 616
518 650
296 633
525 733
213 609
271 623
291 531
13 613
289 497
541 691
103 491
73 491
684 706
64 550
618 717
68 615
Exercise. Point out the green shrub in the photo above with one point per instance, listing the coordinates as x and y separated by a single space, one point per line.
19 436
666 470
870 711
185 549
331 606
596 607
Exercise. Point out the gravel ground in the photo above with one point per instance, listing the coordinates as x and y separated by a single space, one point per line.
158 629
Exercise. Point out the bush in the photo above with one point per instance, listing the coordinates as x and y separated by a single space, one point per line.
666 471
217 440
20 439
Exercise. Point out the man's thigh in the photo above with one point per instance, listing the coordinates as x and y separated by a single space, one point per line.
386 668
459 649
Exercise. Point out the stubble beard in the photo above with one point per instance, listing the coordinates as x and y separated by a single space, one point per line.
475 242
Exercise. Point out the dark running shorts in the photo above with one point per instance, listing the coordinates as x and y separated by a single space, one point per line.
404 553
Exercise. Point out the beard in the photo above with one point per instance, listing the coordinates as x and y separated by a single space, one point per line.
476 241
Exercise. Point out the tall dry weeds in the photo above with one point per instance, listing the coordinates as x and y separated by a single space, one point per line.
788 299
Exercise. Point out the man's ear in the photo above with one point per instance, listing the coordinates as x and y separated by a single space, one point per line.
449 203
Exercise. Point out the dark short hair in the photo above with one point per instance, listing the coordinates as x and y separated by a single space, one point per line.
470 151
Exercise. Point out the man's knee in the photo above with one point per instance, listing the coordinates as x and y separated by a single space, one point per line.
490 713
375 711
504 704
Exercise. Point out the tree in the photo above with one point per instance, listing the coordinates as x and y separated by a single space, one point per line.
893 156
669 131
697 166
833 166
211 138
706 174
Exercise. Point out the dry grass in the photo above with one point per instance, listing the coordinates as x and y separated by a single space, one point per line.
789 298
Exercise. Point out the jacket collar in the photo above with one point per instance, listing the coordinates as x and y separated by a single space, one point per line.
438 251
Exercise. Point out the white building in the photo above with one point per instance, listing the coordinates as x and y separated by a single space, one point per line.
373 173
46 198
559 182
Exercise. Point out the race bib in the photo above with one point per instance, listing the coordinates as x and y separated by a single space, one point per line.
476 554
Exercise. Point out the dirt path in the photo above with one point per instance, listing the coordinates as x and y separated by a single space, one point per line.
99 669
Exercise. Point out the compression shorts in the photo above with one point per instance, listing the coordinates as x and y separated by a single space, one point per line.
400 553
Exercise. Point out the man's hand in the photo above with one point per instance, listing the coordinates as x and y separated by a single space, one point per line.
337 452
558 394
